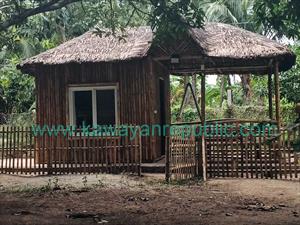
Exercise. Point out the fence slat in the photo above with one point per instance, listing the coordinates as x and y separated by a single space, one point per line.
2 141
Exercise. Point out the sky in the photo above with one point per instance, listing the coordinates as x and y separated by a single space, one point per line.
212 79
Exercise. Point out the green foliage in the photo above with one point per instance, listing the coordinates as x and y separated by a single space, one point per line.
21 119
213 113
164 16
288 114
17 89
239 13
213 95
283 16
256 108
250 112
290 80
174 18
259 86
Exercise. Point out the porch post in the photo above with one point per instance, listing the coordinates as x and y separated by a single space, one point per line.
203 153
203 99
277 94
270 95
167 169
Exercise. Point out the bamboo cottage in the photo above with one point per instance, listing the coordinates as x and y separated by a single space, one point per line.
105 80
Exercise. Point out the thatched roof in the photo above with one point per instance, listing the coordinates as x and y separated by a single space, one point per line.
223 40
90 47
215 40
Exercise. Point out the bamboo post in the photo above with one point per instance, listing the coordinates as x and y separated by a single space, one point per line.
203 159
167 169
270 95
2 149
140 154
277 94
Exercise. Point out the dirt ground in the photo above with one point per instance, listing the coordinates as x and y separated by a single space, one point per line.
120 199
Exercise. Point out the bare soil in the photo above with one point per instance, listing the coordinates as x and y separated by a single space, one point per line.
116 199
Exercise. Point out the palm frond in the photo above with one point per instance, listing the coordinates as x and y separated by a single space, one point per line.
219 12
27 48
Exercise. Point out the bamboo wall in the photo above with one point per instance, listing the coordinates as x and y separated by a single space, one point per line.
138 93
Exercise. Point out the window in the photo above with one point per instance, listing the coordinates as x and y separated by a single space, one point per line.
93 105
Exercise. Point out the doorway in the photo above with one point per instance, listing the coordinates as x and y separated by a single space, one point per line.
162 107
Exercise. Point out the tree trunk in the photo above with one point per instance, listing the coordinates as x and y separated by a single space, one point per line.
229 97
246 86
222 89
229 81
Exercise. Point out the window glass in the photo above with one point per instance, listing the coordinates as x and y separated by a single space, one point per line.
83 108
105 107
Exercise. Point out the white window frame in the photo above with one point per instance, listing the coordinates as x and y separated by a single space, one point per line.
93 89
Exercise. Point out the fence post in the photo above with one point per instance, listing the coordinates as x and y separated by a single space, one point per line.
2 149
140 153
199 157
203 158
49 142
167 150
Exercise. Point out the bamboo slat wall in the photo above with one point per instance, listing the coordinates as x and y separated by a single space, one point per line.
261 155
23 153
183 160
138 93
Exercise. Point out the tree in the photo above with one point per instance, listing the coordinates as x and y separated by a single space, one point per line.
282 16
17 89
246 85
290 80
238 13
163 15
16 12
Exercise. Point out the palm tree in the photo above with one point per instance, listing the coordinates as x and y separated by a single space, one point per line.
238 13
235 12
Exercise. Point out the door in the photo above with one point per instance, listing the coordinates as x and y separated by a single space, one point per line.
162 97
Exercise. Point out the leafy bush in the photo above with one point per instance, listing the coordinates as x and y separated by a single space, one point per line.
17 89
290 80
287 111
21 119
254 112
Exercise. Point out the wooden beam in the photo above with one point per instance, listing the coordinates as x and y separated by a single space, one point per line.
220 70
161 64
165 58
277 94
270 95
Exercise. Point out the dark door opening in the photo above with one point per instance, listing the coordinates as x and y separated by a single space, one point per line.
162 97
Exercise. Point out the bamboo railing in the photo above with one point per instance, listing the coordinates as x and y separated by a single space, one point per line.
255 151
